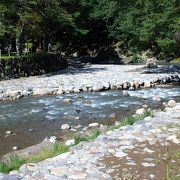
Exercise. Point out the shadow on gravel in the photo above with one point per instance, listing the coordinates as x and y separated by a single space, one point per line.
162 70
75 71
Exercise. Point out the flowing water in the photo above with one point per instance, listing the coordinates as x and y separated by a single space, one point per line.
34 118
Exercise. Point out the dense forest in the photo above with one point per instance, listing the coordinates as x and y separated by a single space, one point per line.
87 26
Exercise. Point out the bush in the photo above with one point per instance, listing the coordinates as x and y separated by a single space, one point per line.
30 65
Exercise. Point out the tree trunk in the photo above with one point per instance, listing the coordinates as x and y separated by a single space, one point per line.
20 41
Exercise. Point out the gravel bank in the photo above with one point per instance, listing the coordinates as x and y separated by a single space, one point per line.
95 78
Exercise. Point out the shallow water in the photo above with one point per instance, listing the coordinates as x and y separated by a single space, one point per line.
45 115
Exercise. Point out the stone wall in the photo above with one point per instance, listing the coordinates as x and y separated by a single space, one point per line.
36 64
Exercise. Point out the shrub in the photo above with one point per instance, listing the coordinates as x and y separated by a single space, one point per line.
29 65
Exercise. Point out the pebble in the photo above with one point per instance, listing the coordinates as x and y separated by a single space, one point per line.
15 148
172 103
148 164
70 142
9 132
140 111
65 126
68 100
94 124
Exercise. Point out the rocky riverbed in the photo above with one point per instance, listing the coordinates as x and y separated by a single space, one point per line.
28 121
94 78
149 149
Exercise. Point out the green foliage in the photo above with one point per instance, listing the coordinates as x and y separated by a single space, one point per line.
92 136
132 119
92 24
13 164
58 148
29 65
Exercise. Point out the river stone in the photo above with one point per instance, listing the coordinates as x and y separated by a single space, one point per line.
43 91
94 124
53 139
125 93
140 111
70 142
113 116
12 94
65 126
9 132
136 85
14 172
59 170
156 98
15 148
76 90
67 100
125 85
147 84
172 103
60 91
26 93
78 176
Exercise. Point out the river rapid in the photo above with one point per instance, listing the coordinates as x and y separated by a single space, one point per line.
34 118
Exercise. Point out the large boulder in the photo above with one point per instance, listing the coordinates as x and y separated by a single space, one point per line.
151 63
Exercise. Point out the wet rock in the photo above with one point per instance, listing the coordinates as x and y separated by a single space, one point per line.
94 124
172 103
30 130
70 142
68 100
9 132
77 110
131 88
65 126
125 93
112 116
15 148
156 98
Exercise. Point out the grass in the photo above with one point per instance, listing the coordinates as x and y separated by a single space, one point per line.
7 57
132 119
176 61
15 162
94 134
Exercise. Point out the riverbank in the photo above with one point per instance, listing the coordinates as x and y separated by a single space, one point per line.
147 149
94 78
